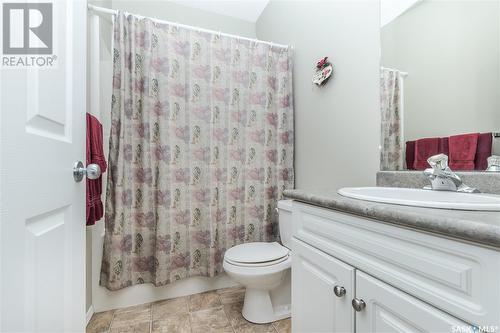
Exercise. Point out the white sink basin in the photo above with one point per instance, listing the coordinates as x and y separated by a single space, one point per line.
425 198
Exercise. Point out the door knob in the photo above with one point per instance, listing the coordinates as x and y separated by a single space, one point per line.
339 291
358 304
92 171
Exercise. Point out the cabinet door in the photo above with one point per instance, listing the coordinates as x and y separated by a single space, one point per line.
315 306
391 310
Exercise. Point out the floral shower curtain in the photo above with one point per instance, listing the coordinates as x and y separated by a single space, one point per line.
201 149
392 151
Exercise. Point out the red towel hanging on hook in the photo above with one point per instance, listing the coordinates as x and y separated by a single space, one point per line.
95 154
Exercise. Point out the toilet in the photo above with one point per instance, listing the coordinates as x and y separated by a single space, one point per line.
264 269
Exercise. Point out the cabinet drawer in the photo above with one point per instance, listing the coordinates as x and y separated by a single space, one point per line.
449 274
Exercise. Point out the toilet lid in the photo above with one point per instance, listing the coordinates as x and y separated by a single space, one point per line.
258 252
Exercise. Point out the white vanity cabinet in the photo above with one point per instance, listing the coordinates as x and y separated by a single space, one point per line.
409 281
322 290
391 310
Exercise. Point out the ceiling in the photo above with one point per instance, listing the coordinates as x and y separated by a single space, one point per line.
392 9
248 10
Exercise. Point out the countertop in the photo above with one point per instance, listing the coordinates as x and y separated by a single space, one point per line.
477 227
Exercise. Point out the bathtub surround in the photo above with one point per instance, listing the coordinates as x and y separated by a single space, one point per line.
201 148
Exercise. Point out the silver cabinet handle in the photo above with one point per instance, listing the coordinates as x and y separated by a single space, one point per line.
358 304
92 171
339 291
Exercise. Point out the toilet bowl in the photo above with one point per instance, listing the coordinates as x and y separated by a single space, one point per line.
264 270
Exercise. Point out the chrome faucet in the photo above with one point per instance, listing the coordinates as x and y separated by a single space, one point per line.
443 178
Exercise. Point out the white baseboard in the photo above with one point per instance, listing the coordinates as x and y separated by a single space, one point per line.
90 313
104 300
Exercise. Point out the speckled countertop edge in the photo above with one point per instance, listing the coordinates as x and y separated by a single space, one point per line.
477 227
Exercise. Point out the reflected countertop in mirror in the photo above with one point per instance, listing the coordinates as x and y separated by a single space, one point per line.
486 182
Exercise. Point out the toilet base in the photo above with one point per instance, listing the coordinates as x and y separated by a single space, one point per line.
263 306
259 309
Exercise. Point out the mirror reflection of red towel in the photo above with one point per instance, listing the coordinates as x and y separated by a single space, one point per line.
95 154
410 154
463 151
484 143
479 162
425 148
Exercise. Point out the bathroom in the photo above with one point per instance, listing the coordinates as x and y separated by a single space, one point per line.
250 166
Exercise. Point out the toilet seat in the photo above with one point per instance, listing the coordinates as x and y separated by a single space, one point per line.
257 264
257 254
264 270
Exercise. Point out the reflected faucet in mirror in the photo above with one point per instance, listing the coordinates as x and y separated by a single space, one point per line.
443 178
493 163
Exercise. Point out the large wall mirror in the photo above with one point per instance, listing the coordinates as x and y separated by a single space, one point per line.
440 82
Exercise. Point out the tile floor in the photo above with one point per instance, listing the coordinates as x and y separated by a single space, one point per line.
213 311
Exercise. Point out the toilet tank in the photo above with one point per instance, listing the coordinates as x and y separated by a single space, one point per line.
285 222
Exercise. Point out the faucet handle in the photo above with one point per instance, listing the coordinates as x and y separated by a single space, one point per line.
438 162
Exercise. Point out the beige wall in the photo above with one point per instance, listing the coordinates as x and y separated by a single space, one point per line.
337 126
451 51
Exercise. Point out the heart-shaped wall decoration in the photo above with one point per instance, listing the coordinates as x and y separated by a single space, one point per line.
323 72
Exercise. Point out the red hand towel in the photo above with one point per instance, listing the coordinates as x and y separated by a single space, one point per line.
425 148
463 151
410 154
95 154
484 143
444 146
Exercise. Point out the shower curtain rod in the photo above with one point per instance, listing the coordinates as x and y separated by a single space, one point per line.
114 12
392 69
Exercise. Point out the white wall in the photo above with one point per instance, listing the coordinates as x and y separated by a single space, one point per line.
451 51
100 297
337 127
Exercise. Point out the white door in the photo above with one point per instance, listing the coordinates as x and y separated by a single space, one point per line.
42 128
391 310
316 305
